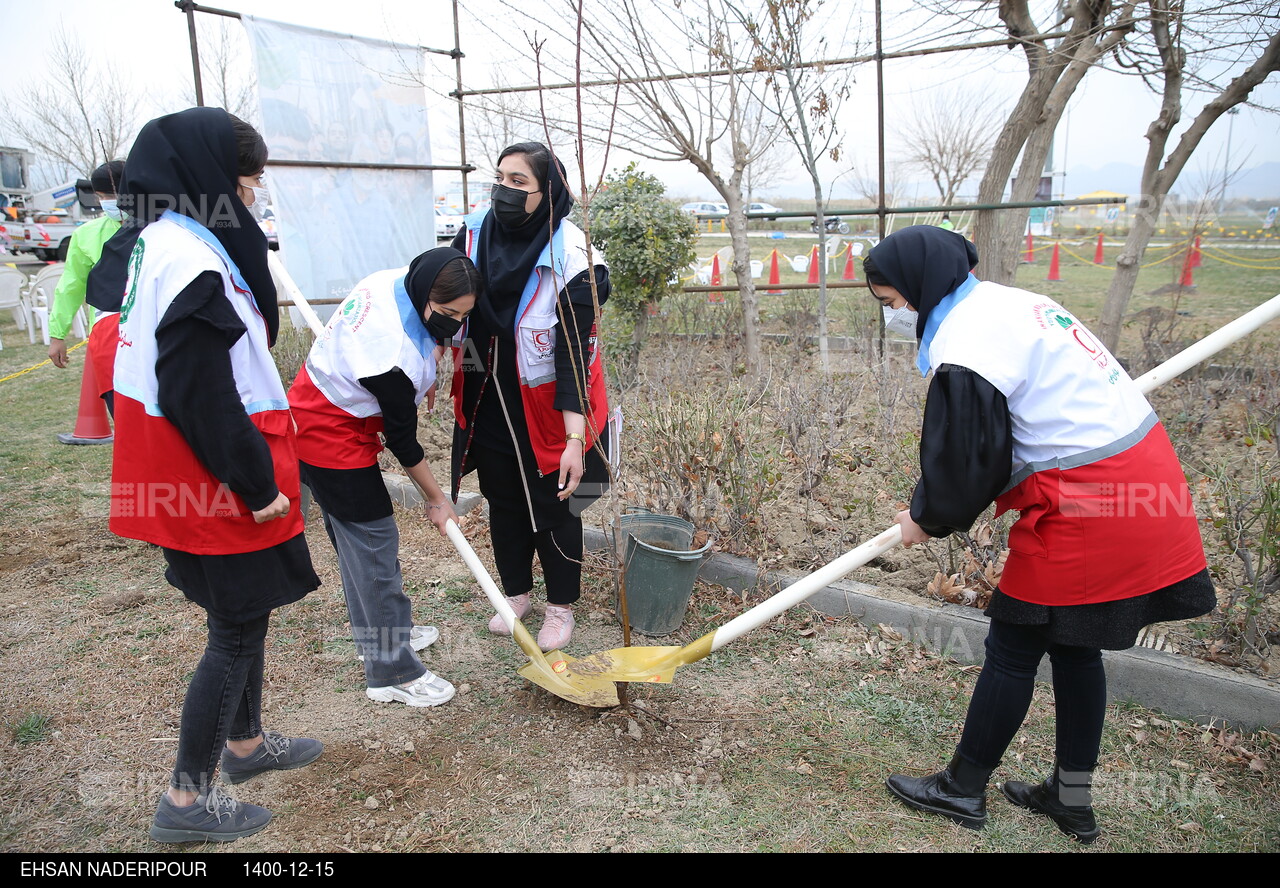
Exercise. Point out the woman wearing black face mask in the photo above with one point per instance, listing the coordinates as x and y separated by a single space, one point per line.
528 389
367 373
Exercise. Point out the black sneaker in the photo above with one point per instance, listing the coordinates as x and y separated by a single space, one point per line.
276 753
214 817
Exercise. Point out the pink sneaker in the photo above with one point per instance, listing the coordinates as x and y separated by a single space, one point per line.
557 628
520 604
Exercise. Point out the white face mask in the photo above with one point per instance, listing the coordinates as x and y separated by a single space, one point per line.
111 208
900 320
261 197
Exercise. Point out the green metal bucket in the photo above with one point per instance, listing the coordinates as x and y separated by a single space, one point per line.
659 567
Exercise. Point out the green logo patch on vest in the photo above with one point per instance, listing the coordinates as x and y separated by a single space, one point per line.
131 285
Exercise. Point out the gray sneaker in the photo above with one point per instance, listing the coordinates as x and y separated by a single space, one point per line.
277 753
214 817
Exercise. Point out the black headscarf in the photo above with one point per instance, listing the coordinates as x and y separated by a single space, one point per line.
507 255
924 263
186 162
422 274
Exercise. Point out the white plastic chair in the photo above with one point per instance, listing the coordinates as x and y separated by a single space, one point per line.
39 297
833 247
12 283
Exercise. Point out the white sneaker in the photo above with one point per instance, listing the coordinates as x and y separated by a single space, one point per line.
428 690
520 604
420 638
557 628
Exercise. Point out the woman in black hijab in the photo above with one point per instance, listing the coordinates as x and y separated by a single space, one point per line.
529 386
205 464
1026 409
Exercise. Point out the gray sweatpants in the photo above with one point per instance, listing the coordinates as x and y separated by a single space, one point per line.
381 614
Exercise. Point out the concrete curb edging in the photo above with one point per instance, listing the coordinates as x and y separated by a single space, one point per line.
405 493
1179 686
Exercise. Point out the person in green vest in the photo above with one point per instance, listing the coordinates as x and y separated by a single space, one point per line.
82 255
946 224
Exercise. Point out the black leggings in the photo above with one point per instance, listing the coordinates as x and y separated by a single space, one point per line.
223 701
1003 695
559 548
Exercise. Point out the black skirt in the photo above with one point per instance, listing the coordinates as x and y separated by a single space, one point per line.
1109 625
244 586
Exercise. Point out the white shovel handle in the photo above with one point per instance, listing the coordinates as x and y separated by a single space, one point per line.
873 548
290 288
1210 345
805 587
481 573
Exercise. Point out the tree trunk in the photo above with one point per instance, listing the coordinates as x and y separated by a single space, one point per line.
1157 180
1053 77
737 224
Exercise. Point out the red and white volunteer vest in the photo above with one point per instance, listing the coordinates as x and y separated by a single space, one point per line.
160 491
563 259
370 334
1106 513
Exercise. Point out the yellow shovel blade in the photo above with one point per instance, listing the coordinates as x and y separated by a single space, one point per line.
642 664
554 672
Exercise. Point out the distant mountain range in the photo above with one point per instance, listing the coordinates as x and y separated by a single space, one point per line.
1262 181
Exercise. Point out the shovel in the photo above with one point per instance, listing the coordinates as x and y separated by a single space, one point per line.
554 672
659 664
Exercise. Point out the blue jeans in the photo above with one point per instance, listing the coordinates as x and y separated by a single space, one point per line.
223 700
381 614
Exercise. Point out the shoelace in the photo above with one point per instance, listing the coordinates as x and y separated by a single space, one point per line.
558 619
276 743
217 803
424 682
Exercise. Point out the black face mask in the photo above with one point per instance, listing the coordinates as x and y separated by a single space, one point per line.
508 205
442 327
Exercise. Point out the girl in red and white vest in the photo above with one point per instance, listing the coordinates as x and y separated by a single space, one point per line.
205 464
1027 409
367 373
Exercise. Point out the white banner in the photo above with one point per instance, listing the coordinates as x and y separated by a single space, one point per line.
336 98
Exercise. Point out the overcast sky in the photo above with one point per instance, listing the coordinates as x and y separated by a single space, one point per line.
147 40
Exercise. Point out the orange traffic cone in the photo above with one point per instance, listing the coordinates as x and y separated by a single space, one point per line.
1055 273
775 278
1097 253
1031 249
1186 272
92 425
716 280
1195 254
850 270
813 265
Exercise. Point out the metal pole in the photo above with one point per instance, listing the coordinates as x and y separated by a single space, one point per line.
1226 164
189 8
880 159
880 115
462 117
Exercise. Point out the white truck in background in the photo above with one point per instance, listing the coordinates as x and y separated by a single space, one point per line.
40 222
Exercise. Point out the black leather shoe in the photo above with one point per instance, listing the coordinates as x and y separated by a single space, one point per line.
1044 798
958 792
